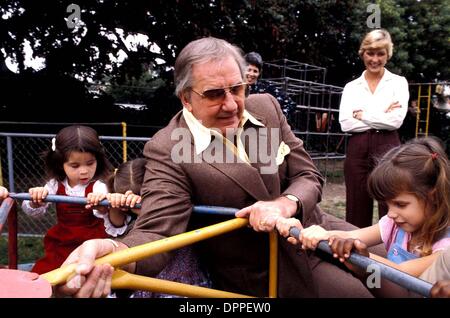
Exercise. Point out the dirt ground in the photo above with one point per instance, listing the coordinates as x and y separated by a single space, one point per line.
334 190
333 199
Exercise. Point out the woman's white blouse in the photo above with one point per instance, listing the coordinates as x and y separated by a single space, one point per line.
357 96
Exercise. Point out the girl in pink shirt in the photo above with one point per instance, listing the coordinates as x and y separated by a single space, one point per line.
414 180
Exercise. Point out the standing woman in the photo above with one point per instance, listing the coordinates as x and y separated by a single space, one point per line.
258 86
372 108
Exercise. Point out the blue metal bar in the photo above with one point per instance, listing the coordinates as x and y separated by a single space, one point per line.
217 210
60 199
403 279
203 209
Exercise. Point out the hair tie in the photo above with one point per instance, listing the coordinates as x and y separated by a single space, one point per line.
434 155
54 144
115 171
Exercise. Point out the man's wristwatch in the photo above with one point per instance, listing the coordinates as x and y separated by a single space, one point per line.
295 199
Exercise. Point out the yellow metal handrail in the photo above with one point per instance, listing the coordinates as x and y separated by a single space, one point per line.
134 254
273 264
126 280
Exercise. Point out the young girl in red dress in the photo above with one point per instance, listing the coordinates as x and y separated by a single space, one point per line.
75 165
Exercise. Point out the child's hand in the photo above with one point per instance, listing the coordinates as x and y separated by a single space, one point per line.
283 226
115 199
38 194
342 248
132 199
121 202
3 193
93 199
311 236
124 201
441 289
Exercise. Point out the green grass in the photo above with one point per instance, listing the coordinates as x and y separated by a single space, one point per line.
29 249
335 208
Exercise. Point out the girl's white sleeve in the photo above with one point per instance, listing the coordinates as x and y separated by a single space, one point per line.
52 187
110 229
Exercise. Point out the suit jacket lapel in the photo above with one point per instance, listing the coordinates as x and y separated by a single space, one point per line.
246 176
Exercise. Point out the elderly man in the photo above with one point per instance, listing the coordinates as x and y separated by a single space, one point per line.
223 149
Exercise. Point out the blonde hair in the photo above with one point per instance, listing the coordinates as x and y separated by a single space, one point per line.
377 39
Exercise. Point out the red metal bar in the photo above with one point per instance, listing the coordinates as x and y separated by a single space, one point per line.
5 208
12 237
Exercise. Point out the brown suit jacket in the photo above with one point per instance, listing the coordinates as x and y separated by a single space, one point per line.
237 261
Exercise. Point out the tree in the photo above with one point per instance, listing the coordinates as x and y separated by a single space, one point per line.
323 33
427 40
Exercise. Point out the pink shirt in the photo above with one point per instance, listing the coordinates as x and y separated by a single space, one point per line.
389 230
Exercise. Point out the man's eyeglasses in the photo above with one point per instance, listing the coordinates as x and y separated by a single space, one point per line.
218 94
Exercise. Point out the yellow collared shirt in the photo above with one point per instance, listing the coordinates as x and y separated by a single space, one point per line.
202 135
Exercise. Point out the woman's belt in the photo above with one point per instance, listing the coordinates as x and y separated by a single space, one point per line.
374 131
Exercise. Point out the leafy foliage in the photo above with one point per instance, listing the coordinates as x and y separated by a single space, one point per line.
324 33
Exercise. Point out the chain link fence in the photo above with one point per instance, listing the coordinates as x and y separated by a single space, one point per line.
22 167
